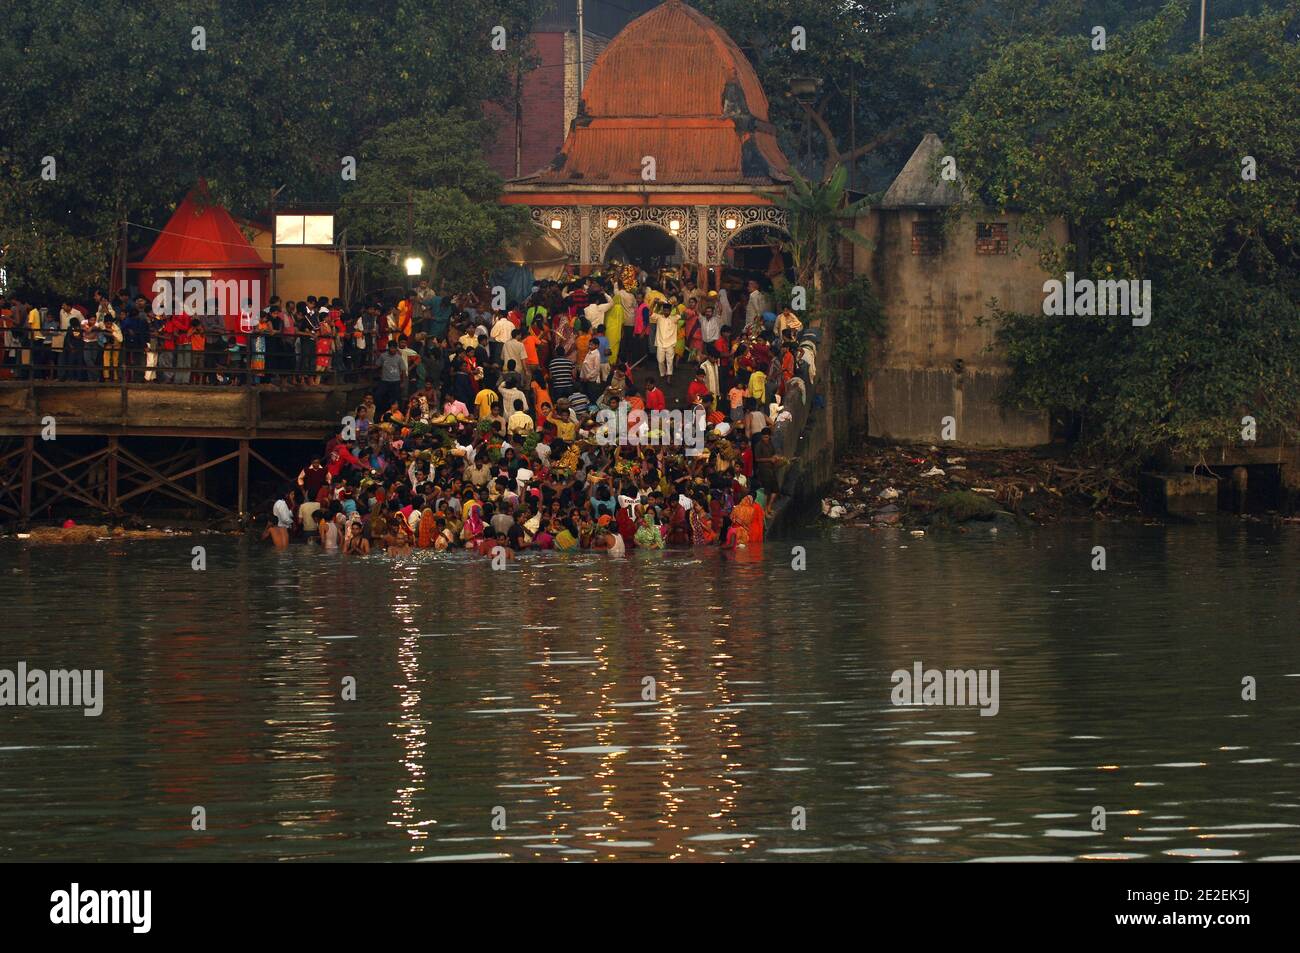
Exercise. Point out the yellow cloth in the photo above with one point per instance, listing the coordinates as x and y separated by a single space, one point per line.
566 430
614 330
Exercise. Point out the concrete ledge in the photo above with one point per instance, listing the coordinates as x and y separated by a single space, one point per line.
908 405
1179 494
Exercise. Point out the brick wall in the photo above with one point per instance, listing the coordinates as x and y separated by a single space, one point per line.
543 124
550 102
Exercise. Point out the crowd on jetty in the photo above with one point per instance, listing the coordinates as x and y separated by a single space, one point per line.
123 340
606 414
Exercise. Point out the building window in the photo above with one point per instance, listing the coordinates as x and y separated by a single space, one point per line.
991 238
927 237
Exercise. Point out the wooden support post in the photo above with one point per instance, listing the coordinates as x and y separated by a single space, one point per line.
112 475
29 452
201 474
243 479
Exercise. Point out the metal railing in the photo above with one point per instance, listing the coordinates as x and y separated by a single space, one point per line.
263 359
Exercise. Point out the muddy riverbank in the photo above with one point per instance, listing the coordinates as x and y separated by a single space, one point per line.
881 484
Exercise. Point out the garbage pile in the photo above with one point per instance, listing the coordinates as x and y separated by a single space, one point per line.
882 485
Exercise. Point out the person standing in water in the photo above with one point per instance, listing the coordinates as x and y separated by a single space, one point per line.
278 535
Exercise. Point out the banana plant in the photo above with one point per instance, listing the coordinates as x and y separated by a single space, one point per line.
820 216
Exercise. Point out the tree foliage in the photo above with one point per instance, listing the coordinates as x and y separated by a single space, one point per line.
1141 149
134 114
435 162
820 218
892 70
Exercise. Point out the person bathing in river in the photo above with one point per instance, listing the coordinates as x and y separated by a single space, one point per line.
331 531
277 534
354 539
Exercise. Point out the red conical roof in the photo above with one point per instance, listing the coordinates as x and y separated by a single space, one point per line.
201 234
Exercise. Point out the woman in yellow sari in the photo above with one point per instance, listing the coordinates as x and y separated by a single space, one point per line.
742 515
614 328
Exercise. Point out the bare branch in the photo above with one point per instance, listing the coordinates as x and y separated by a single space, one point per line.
870 145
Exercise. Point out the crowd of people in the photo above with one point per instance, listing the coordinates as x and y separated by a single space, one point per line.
490 429
120 339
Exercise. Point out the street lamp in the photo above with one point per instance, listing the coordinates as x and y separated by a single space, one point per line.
414 265
804 88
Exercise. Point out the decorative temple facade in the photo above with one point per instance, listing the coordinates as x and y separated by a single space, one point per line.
672 136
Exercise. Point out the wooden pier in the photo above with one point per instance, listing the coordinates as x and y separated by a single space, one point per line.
113 448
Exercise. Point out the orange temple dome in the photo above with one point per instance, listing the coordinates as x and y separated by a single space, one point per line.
672 86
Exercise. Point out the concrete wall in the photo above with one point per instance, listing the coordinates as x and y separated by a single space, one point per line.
306 271
932 304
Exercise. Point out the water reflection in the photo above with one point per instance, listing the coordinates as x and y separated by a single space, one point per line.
686 707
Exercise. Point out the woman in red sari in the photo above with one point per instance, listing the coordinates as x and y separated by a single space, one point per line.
679 524
693 331
702 533
756 523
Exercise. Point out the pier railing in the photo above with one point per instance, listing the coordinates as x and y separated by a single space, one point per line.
268 359
156 390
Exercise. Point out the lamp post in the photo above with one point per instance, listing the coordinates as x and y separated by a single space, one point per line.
414 266
804 89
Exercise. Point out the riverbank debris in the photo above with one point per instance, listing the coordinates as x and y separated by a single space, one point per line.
912 485
83 533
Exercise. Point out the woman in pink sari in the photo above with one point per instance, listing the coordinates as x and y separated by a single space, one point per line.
472 512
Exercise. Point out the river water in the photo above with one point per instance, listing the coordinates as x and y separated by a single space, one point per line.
509 714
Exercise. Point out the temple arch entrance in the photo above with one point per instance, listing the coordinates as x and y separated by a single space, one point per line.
757 250
648 247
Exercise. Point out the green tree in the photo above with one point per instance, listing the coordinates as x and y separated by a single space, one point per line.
891 70
1145 151
869 57
820 218
437 163
37 254
135 104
